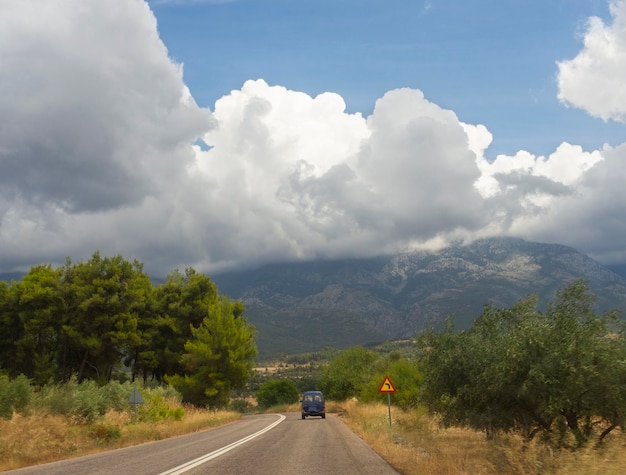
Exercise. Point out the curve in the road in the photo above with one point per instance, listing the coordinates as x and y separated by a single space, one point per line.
216 453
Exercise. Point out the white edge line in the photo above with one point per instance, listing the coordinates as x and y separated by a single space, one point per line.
216 453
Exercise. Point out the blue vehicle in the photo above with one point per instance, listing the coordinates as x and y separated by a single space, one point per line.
313 404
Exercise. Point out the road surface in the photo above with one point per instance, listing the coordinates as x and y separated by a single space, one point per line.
276 444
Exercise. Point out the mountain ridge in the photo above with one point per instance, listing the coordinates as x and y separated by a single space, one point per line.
299 307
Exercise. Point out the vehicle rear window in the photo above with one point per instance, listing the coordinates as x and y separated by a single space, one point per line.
313 398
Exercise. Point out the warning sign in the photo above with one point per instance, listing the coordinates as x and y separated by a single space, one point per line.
135 398
387 386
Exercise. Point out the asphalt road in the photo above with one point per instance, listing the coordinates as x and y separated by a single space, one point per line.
277 444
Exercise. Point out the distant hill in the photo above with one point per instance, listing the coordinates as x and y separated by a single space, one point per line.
301 307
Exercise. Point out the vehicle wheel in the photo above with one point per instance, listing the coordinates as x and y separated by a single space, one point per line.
303 416
323 416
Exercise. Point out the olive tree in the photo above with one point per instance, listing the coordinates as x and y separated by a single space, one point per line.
559 373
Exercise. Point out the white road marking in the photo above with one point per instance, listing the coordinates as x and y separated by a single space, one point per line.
216 453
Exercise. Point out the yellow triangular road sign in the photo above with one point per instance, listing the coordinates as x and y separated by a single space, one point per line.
387 386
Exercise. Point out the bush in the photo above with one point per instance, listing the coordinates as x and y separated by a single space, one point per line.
158 408
241 405
116 395
166 392
84 402
15 395
348 373
277 391
406 378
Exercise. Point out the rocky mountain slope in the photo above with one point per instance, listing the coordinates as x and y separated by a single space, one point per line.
300 307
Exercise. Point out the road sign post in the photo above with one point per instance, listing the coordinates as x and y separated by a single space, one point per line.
387 387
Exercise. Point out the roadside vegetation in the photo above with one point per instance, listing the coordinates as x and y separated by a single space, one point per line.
417 444
61 421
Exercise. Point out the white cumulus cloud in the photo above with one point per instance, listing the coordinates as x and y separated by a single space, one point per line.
97 134
595 80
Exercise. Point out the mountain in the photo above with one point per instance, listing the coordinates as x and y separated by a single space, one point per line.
301 307
619 269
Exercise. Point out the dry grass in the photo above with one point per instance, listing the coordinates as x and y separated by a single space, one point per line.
413 445
416 445
38 438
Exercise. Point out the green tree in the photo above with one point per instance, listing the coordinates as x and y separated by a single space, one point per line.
561 373
582 375
105 297
472 377
11 329
277 391
219 358
180 304
347 374
92 318
42 313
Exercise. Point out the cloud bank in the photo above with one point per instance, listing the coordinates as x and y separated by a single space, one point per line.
98 151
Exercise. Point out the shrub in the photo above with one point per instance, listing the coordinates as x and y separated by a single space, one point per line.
241 405
277 391
15 395
348 373
158 408
406 378
116 395
84 402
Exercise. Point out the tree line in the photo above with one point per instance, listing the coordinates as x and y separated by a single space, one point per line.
104 319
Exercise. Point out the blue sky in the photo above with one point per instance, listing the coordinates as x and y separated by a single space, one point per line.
491 62
229 134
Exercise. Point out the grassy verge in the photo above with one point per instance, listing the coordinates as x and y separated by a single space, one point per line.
416 445
39 438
